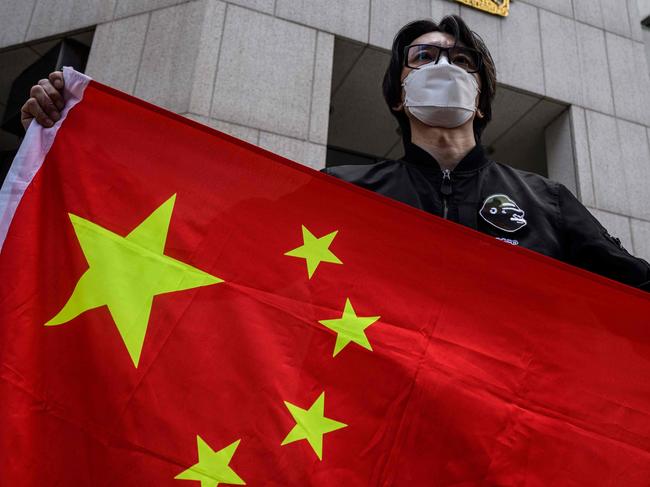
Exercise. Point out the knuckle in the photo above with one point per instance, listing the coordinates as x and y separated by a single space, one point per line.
43 82
56 77
35 109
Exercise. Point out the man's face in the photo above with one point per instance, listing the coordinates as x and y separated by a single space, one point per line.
441 39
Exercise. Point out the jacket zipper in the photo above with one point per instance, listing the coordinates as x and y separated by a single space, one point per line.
445 189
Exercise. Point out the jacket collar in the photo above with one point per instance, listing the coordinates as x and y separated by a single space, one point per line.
473 161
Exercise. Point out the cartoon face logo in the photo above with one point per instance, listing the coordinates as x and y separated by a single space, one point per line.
500 211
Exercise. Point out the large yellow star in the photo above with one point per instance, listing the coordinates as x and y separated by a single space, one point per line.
315 250
213 467
125 273
350 328
311 425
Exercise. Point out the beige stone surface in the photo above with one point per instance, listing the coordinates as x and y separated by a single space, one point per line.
562 7
630 78
560 152
635 159
265 81
57 16
266 6
582 156
348 18
594 68
386 20
207 57
562 67
14 20
116 52
131 7
641 238
167 70
610 187
441 8
321 92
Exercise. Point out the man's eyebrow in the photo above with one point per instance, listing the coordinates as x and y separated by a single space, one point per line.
441 43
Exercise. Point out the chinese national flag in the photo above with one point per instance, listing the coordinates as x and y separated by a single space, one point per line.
180 308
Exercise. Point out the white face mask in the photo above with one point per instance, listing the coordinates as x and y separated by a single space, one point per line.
441 95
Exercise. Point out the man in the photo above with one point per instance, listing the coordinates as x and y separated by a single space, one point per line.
440 85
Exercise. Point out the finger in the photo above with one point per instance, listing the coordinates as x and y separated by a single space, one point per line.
44 101
53 93
25 116
33 107
57 80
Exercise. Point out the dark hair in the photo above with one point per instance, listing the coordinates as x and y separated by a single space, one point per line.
455 26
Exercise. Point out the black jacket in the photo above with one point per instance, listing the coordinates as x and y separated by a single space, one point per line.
518 207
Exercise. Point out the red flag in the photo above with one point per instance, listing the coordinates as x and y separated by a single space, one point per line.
178 307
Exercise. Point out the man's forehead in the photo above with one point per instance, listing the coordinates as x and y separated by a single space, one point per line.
441 38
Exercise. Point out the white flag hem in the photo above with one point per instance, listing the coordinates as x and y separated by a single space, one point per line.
35 146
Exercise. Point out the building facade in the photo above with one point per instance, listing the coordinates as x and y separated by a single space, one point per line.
302 78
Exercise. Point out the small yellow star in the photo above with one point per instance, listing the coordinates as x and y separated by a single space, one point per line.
315 250
350 328
213 467
311 425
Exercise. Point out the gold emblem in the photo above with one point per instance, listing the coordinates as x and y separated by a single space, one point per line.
496 7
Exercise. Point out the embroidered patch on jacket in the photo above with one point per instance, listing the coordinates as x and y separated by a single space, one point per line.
508 240
500 211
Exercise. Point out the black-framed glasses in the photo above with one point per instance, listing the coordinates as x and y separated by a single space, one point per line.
418 55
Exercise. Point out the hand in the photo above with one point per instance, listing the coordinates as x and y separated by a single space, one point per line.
45 101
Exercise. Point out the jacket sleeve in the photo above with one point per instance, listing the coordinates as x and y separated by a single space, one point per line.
590 246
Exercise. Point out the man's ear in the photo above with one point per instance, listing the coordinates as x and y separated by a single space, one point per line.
479 113
399 107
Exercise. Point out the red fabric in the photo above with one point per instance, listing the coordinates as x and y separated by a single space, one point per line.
491 365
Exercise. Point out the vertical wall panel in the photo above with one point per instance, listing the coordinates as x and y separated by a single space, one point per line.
265 80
